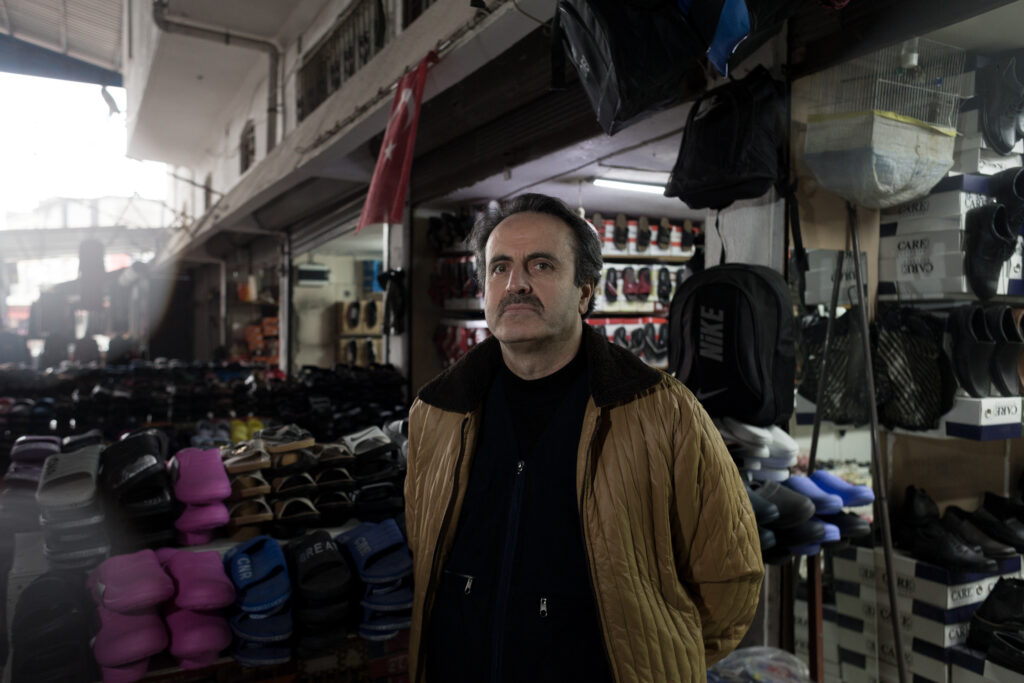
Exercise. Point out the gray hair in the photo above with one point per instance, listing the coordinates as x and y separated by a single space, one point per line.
587 242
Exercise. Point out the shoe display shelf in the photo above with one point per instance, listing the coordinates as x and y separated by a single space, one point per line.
934 608
976 419
454 337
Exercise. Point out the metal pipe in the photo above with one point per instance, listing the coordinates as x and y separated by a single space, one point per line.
228 38
879 477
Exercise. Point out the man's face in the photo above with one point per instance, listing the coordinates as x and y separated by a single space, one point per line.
529 295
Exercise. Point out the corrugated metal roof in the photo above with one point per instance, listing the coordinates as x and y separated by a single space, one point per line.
89 30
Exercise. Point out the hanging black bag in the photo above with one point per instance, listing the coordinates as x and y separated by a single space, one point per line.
731 342
633 57
733 143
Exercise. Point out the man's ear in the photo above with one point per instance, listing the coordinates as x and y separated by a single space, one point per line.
587 290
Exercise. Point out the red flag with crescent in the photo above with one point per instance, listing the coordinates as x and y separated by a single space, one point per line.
386 199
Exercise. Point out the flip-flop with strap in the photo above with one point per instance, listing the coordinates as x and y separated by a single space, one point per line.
149 440
381 498
199 579
34 449
291 462
248 485
263 629
127 464
247 456
335 479
379 551
393 597
260 573
319 569
368 443
200 478
291 510
286 438
197 638
336 507
93 437
329 454
249 512
130 583
127 638
295 485
202 517
68 481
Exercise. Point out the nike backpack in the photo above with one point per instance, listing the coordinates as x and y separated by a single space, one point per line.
731 342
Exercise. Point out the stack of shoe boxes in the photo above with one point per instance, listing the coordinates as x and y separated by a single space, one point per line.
922 246
820 274
971 154
934 608
829 638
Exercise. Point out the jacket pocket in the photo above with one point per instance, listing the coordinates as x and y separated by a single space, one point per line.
458 641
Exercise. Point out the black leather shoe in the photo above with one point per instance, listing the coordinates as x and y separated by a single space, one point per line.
1003 507
1009 530
999 87
765 512
932 543
957 521
850 525
1009 345
918 507
990 242
794 508
973 348
1007 650
1008 189
811 531
1003 610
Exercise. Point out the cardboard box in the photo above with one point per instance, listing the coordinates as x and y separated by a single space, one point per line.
1000 674
947 204
918 267
967 665
984 419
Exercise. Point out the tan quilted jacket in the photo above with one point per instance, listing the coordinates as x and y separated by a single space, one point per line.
670 535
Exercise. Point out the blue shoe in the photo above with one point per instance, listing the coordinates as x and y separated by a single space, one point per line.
851 494
824 503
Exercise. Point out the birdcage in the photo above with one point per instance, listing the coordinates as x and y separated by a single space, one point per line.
881 128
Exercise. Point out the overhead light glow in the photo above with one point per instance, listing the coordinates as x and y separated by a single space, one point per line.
632 187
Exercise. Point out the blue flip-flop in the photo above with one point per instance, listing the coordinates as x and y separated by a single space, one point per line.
256 628
260 574
394 597
379 551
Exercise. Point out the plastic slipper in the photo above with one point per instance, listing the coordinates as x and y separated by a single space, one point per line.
293 485
319 569
34 449
248 485
200 477
386 622
149 441
332 454
202 517
127 638
379 551
197 638
192 538
256 654
260 574
128 463
782 444
239 430
127 673
247 456
249 512
199 579
368 443
24 474
748 451
393 597
769 474
824 503
851 494
335 479
291 462
263 629
286 438
93 437
50 631
376 636
374 471
129 583
744 433
296 510
378 501
75 534
336 507
68 482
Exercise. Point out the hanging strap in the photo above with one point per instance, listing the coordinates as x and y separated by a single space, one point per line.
557 52
718 229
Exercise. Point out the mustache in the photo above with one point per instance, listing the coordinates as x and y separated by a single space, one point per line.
515 298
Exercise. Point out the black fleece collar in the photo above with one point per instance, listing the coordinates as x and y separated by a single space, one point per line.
615 375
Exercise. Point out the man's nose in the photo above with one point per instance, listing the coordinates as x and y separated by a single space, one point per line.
518 280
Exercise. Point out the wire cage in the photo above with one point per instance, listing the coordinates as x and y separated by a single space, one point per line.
882 127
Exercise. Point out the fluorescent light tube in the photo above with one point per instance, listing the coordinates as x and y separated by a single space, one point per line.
632 187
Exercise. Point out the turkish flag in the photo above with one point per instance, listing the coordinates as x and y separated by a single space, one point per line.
386 198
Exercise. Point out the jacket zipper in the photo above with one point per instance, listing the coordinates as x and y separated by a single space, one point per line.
437 546
505 578
586 546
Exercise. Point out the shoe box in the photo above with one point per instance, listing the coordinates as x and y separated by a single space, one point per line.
829 638
971 666
642 302
821 271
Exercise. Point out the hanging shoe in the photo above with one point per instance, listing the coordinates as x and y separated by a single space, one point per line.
636 342
1008 189
990 242
643 284
1002 95
664 234
611 286
620 337
1009 343
643 234
973 348
664 284
688 235
621 234
629 283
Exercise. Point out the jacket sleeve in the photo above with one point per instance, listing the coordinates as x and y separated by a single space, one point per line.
720 563
413 478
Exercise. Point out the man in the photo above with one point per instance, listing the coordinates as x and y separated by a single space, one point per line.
572 513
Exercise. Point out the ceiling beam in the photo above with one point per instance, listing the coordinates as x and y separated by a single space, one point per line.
64 26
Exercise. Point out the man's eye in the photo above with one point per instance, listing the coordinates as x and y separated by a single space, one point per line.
500 268
542 266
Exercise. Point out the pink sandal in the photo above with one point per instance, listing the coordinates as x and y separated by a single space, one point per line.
200 478
129 583
201 581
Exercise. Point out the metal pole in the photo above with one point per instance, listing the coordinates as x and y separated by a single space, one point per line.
815 630
284 307
878 475
385 267
222 308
